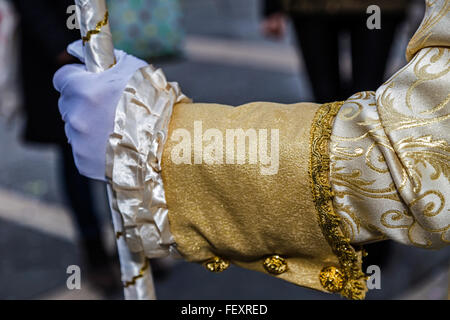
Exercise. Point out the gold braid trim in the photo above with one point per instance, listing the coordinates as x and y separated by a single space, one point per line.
97 29
141 274
354 286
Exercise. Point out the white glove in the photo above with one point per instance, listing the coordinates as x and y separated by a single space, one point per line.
88 103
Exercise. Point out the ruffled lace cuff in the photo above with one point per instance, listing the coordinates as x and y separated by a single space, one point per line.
133 161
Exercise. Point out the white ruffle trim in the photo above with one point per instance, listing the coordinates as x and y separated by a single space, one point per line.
134 161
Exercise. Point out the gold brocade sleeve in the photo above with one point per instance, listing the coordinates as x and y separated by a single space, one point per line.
288 189
390 154
222 209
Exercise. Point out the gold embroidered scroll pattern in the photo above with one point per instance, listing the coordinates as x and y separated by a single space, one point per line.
359 173
436 10
414 109
390 163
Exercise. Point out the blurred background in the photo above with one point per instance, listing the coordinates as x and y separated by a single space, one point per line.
222 51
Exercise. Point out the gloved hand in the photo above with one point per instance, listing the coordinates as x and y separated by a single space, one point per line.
88 103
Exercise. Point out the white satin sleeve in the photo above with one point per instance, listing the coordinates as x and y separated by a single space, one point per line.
389 150
134 161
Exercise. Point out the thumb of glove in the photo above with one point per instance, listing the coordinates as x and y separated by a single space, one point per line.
76 49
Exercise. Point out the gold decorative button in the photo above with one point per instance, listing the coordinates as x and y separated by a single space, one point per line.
332 279
217 264
275 264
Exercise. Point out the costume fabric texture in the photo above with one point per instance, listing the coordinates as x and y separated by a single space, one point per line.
370 168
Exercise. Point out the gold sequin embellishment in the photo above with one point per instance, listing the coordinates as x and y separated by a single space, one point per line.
275 265
332 279
217 264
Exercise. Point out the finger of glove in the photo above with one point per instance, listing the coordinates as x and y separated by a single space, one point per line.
126 64
63 107
79 90
88 152
66 74
76 49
